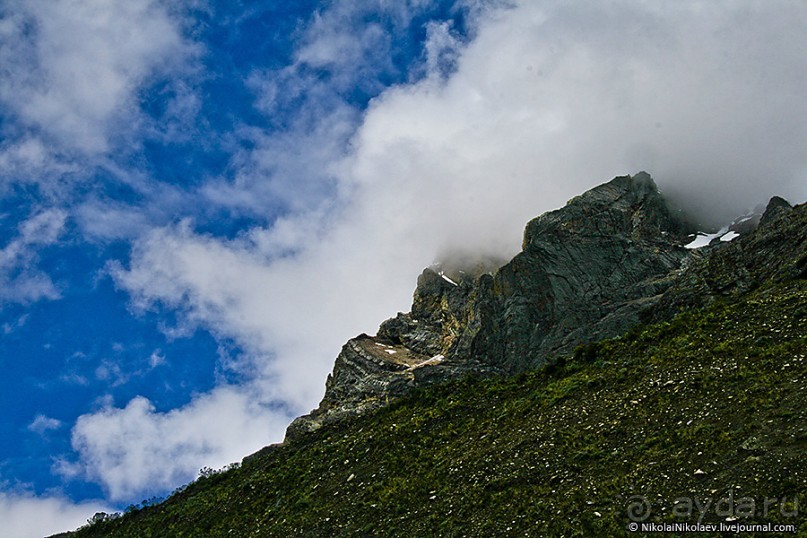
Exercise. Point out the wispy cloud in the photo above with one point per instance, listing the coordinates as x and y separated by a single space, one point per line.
72 69
42 424
287 172
157 358
21 281
73 79
344 52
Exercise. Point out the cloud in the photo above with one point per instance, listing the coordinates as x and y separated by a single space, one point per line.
442 49
20 279
157 358
42 424
352 40
75 74
332 41
311 106
28 516
28 159
550 99
20 322
287 172
137 450
547 100
71 68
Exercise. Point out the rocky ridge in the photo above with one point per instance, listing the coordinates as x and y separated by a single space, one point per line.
611 258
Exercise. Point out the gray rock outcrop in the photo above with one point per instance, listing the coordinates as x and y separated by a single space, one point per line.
608 260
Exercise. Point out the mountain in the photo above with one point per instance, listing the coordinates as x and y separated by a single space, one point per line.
607 368
588 271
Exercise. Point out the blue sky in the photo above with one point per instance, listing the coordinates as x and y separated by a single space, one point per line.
200 201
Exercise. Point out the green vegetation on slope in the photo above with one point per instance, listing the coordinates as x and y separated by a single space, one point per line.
708 406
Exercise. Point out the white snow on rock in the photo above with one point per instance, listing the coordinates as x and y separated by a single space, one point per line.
433 360
447 279
702 238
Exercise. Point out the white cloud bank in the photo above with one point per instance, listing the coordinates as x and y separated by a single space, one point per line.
137 451
550 98
28 516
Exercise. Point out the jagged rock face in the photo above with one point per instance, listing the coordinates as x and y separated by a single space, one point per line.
444 308
593 269
586 272
408 351
776 250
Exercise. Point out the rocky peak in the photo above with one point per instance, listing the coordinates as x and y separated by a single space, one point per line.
610 258
776 207
627 206
587 271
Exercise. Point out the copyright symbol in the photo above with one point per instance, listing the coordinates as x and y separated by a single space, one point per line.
633 527
638 508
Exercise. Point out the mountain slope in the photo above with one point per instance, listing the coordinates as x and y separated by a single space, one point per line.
706 406
428 428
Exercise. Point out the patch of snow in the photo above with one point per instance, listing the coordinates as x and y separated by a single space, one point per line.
433 360
447 279
731 236
702 239
391 351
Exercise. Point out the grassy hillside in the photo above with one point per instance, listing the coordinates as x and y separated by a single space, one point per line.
708 406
